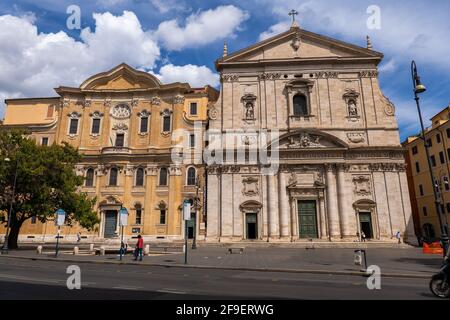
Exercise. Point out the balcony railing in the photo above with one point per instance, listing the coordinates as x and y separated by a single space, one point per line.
116 150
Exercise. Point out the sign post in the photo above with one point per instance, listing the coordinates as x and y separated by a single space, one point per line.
123 221
187 217
60 219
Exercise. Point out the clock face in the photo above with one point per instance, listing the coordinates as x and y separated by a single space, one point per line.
121 111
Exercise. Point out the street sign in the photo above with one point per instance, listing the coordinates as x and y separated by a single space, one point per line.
123 217
186 210
60 217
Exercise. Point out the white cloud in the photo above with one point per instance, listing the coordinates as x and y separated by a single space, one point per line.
33 63
201 28
165 6
388 66
274 30
421 33
196 76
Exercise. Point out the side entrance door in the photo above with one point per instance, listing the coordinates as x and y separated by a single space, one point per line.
366 224
110 223
252 225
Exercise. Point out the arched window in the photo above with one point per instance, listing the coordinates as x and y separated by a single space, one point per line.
162 212
138 208
140 177
113 177
163 177
89 177
191 176
300 105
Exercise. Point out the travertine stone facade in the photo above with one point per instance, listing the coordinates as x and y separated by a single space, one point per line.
341 168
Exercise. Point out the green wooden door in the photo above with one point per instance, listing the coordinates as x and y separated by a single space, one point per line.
307 219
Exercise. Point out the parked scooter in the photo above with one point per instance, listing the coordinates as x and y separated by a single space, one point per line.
440 282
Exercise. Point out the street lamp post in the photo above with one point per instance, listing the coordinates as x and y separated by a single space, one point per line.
197 187
5 247
123 221
418 87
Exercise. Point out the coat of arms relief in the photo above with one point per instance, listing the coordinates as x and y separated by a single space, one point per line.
362 185
250 186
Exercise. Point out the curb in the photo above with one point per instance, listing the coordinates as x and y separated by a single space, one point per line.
307 271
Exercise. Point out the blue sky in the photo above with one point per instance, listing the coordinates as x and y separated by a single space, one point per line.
180 40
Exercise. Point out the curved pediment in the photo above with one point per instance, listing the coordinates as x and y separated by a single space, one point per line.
310 139
122 77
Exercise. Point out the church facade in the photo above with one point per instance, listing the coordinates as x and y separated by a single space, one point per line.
336 169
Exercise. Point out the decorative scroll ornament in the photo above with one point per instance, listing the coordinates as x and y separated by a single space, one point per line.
269 76
362 185
305 140
121 111
213 113
295 43
250 188
156 101
120 126
229 77
356 137
178 99
368 74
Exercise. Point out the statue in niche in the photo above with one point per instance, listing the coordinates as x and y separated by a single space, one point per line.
352 110
249 111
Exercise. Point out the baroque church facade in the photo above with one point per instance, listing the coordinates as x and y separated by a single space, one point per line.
340 168
334 168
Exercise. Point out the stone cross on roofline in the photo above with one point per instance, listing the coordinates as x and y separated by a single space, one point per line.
293 13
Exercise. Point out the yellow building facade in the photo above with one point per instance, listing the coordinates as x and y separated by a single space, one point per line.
142 145
420 186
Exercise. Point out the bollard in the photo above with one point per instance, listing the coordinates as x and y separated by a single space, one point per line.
75 250
39 249
102 250
147 249
91 247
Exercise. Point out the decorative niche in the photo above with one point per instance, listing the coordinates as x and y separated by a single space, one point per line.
249 105
351 98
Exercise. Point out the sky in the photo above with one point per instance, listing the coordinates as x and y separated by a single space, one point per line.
43 44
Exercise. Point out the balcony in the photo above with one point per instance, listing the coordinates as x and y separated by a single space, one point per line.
116 150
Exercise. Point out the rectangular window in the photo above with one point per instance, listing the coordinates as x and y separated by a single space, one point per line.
448 132
448 207
44 141
414 150
162 217
433 161
33 220
73 129
50 111
417 167
421 189
120 138
438 138
138 216
425 213
193 109
446 184
429 142
441 157
448 152
166 123
144 124
192 141
95 126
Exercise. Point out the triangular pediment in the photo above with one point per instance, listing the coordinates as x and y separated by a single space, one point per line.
122 77
299 44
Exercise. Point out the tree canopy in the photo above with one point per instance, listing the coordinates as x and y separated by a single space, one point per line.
45 181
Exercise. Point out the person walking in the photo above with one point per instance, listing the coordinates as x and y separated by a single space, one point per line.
78 237
138 252
398 236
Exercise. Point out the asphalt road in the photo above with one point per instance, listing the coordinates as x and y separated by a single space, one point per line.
27 279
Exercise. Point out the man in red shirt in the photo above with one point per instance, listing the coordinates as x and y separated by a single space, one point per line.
139 248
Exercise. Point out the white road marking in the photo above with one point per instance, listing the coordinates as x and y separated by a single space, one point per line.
174 291
15 277
127 288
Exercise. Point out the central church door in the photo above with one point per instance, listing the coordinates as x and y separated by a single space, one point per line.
307 219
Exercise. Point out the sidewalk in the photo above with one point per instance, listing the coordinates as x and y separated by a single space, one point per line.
396 262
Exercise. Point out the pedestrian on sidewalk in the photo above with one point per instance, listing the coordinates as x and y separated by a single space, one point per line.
398 236
138 251
363 236
78 237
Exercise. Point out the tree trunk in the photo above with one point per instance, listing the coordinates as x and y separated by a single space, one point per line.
13 236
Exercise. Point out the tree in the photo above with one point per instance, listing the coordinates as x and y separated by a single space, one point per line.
46 181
